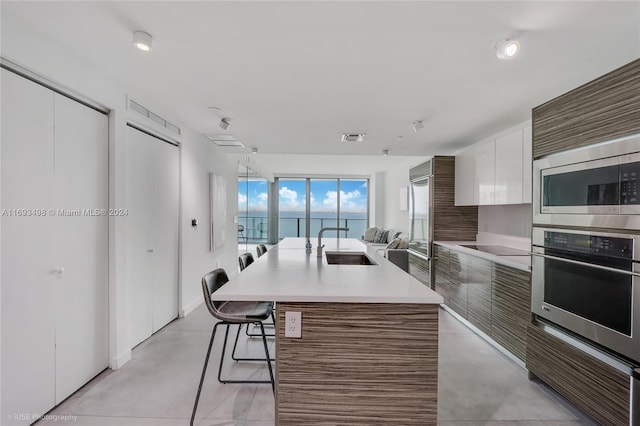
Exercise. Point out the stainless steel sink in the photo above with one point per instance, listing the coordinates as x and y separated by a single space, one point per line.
348 258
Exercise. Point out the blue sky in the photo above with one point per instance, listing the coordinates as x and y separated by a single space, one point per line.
353 195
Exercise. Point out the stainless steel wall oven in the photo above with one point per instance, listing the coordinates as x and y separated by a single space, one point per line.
588 282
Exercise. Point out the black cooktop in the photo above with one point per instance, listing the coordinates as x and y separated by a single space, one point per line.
497 250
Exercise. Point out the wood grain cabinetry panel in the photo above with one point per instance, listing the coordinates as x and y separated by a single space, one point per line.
511 308
600 390
419 269
605 108
450 222
479 294
458 279
358 364
441 271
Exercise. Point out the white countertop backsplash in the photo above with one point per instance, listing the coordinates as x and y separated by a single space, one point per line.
485 238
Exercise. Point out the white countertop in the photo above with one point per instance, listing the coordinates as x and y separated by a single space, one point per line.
518 262
286 273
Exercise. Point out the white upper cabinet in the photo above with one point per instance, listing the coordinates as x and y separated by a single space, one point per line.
464 189
497 171
508 188
484 174
527 159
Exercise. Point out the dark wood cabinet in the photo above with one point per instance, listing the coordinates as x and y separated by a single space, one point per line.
479 294
493 297
603 109
511 308
458 279
419 268
441 271
597 388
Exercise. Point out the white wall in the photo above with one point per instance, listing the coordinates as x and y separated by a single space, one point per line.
25 47
396 178
199 158
510 219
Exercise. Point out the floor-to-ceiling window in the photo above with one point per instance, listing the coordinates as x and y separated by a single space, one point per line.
253 207
292 205
354 206
322 203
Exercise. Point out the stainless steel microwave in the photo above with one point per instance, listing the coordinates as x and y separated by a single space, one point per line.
595 186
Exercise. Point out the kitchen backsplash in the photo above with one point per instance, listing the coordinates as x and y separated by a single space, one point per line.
512 219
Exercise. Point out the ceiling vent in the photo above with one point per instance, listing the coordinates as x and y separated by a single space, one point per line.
133 105
352 137
225 140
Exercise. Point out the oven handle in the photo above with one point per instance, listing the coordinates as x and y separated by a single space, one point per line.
590 265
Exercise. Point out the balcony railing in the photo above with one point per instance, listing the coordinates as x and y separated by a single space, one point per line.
255 228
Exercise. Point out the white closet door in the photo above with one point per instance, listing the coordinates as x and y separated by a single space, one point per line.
140 253
165 234
81 182
153 175
28 283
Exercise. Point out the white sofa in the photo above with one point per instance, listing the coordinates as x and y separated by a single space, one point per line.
391 243
381 238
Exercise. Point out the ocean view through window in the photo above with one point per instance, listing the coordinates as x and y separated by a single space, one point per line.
332 202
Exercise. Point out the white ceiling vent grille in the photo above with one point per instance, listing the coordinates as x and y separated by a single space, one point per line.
225 140
153 116
352 137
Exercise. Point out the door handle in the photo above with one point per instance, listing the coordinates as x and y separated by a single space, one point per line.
59 270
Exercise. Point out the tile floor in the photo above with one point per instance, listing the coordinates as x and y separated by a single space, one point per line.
477 385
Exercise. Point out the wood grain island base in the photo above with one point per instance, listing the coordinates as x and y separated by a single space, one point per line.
358 364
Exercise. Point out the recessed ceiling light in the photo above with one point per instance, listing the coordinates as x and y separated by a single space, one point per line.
352 137
254 150
417 125
142 40
507 49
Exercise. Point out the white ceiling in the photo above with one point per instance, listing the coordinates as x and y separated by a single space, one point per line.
293 76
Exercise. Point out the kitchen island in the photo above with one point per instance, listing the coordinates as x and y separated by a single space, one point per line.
369 347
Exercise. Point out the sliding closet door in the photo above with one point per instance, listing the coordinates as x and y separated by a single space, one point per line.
152 264
28 280
165 234
81 170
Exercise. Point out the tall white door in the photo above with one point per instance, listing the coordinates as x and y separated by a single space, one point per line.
153 202
54 255
81 244
28 280
165 234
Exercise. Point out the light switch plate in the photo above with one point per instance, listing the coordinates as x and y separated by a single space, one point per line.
293 325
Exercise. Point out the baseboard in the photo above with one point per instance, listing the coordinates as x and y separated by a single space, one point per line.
120 360
190 307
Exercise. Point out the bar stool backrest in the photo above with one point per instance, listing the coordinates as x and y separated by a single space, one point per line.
245 259
211 282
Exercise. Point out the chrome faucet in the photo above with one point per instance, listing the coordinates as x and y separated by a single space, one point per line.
320 237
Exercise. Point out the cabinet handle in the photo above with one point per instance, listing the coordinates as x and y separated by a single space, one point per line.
151 251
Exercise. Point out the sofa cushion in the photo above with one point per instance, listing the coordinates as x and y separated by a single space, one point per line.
370 234
393 244
393 234
381 236
403 244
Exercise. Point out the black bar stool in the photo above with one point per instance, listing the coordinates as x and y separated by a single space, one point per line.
229 313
